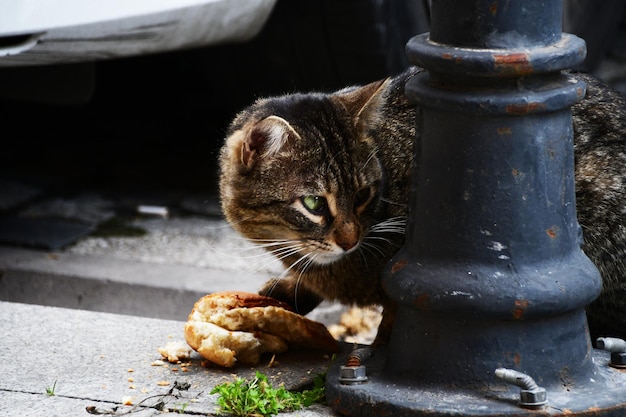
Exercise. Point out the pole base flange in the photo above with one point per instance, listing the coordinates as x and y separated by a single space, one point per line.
384 395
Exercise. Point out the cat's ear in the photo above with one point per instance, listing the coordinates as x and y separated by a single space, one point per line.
363 102
266 138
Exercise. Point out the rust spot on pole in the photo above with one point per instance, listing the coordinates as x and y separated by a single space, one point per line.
525 108
515 357
450 56
515 63
493 8
423 302
520 308
552 232
399 265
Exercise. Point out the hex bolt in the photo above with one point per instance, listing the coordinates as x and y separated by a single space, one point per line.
618 360
358 355
352 375
617 347
611 344
531 395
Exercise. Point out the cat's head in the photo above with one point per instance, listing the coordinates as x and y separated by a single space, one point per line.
300 174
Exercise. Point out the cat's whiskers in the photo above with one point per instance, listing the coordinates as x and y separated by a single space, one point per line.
391 225
273 286
294 265
306 260
331 162
370 247
281 253
240 252
372 241
286 252
260 241
364 246
278 243
388 201
273 251
369 158
307 264
267 263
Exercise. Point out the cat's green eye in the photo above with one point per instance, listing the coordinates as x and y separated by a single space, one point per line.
362 196
314 203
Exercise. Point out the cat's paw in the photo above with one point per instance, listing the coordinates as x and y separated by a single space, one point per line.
300 299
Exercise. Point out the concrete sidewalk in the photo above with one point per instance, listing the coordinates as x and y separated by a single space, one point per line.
98 360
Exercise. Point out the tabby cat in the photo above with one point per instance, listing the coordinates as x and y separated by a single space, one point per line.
322 182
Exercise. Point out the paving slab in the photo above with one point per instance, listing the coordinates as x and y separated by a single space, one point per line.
94 360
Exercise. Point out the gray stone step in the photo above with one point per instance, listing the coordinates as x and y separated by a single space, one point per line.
93 359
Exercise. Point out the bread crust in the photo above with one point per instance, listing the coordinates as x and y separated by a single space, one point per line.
235 326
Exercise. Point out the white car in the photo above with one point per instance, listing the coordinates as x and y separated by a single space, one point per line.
62 51
36 32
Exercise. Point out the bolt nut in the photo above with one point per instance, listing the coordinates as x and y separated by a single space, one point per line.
533 398
351 375
618 359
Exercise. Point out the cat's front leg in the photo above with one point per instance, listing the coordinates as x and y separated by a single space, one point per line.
383 336
361 353
287 290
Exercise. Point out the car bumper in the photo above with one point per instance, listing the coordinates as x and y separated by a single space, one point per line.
36 32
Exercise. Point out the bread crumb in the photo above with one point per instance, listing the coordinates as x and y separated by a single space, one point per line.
127 400
163 383
175 351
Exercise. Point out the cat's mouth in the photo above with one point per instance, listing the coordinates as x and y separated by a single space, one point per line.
328 257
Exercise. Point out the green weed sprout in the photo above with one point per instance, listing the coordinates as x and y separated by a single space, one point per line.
50 390
259 398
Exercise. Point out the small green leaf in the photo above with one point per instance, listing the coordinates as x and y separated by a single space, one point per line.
51 390
258 398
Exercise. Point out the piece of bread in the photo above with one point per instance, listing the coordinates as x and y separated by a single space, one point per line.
175 351
232 326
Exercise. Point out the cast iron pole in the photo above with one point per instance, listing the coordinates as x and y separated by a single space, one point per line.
492 284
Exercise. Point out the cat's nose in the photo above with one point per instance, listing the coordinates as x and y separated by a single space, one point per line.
346 234
347 244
